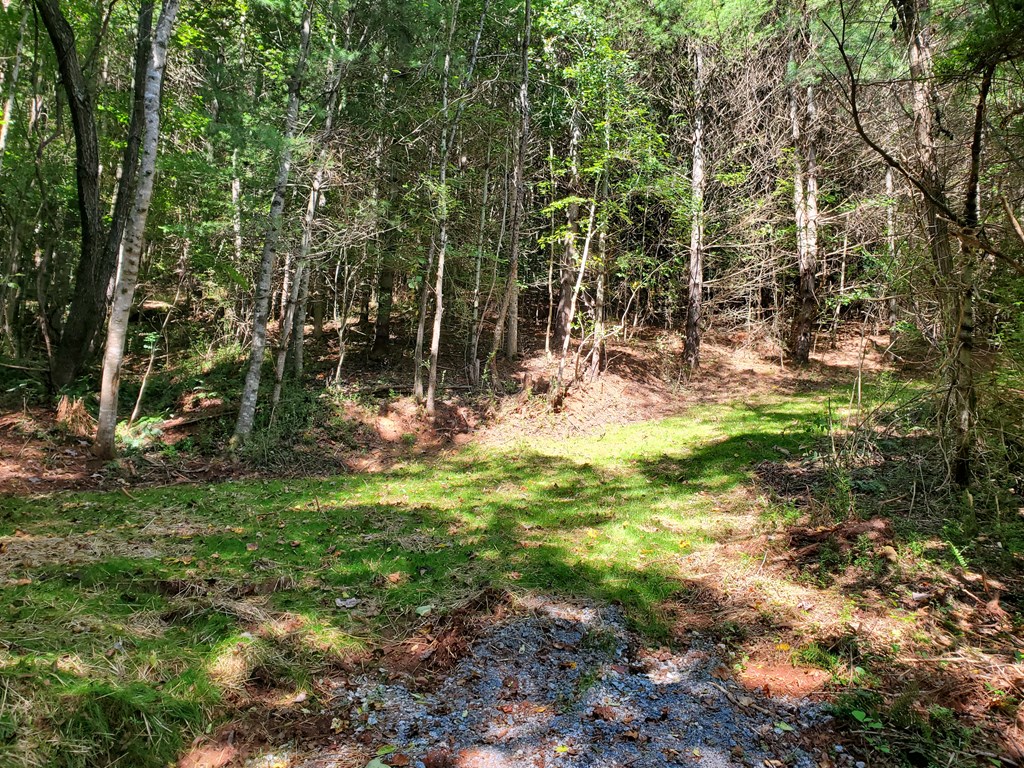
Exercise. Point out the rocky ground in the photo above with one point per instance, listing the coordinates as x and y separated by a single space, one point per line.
566 685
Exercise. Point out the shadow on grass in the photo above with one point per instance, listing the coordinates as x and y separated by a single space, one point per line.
144 618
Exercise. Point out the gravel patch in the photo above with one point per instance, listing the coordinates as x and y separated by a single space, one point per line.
568 686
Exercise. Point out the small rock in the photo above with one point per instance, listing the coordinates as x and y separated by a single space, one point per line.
439 757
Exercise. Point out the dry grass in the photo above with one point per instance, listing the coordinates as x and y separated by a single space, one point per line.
74 418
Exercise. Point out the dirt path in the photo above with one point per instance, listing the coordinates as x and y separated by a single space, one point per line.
561 684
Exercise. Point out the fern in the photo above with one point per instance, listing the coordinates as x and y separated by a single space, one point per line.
957 555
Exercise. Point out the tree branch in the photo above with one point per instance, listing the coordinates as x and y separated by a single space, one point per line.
962 230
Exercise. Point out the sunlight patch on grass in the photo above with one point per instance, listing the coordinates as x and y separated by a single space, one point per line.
210 589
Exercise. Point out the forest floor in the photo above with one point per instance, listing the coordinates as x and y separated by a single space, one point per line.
756 567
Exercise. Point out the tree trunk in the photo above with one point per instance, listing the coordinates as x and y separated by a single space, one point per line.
551 253
964 398
512 323
474 335
97 258
284 295
417 357
805 186
319 308
12 88
556 391
695 282
435 336
599 355
365 294
298 345
344 299
10 288
805 318
286 325
519 183
442 235
569 255
598 352
448 133
890 243
385 302
236 229
117 330
478 327
925 108
293 318
43 259
250 391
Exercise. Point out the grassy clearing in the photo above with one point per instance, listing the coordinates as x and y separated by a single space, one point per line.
134 621
144 615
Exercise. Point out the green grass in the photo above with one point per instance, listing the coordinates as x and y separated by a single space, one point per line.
150 611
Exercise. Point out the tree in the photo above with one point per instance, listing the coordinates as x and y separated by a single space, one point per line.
131 251
250 391
695 283
956 274
511 292
805 126
98 248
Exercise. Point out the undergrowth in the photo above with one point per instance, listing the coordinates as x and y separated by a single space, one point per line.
873 461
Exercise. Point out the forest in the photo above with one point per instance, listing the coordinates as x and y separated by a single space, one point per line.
466 383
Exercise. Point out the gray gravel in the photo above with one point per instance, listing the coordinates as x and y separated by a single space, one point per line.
566 685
